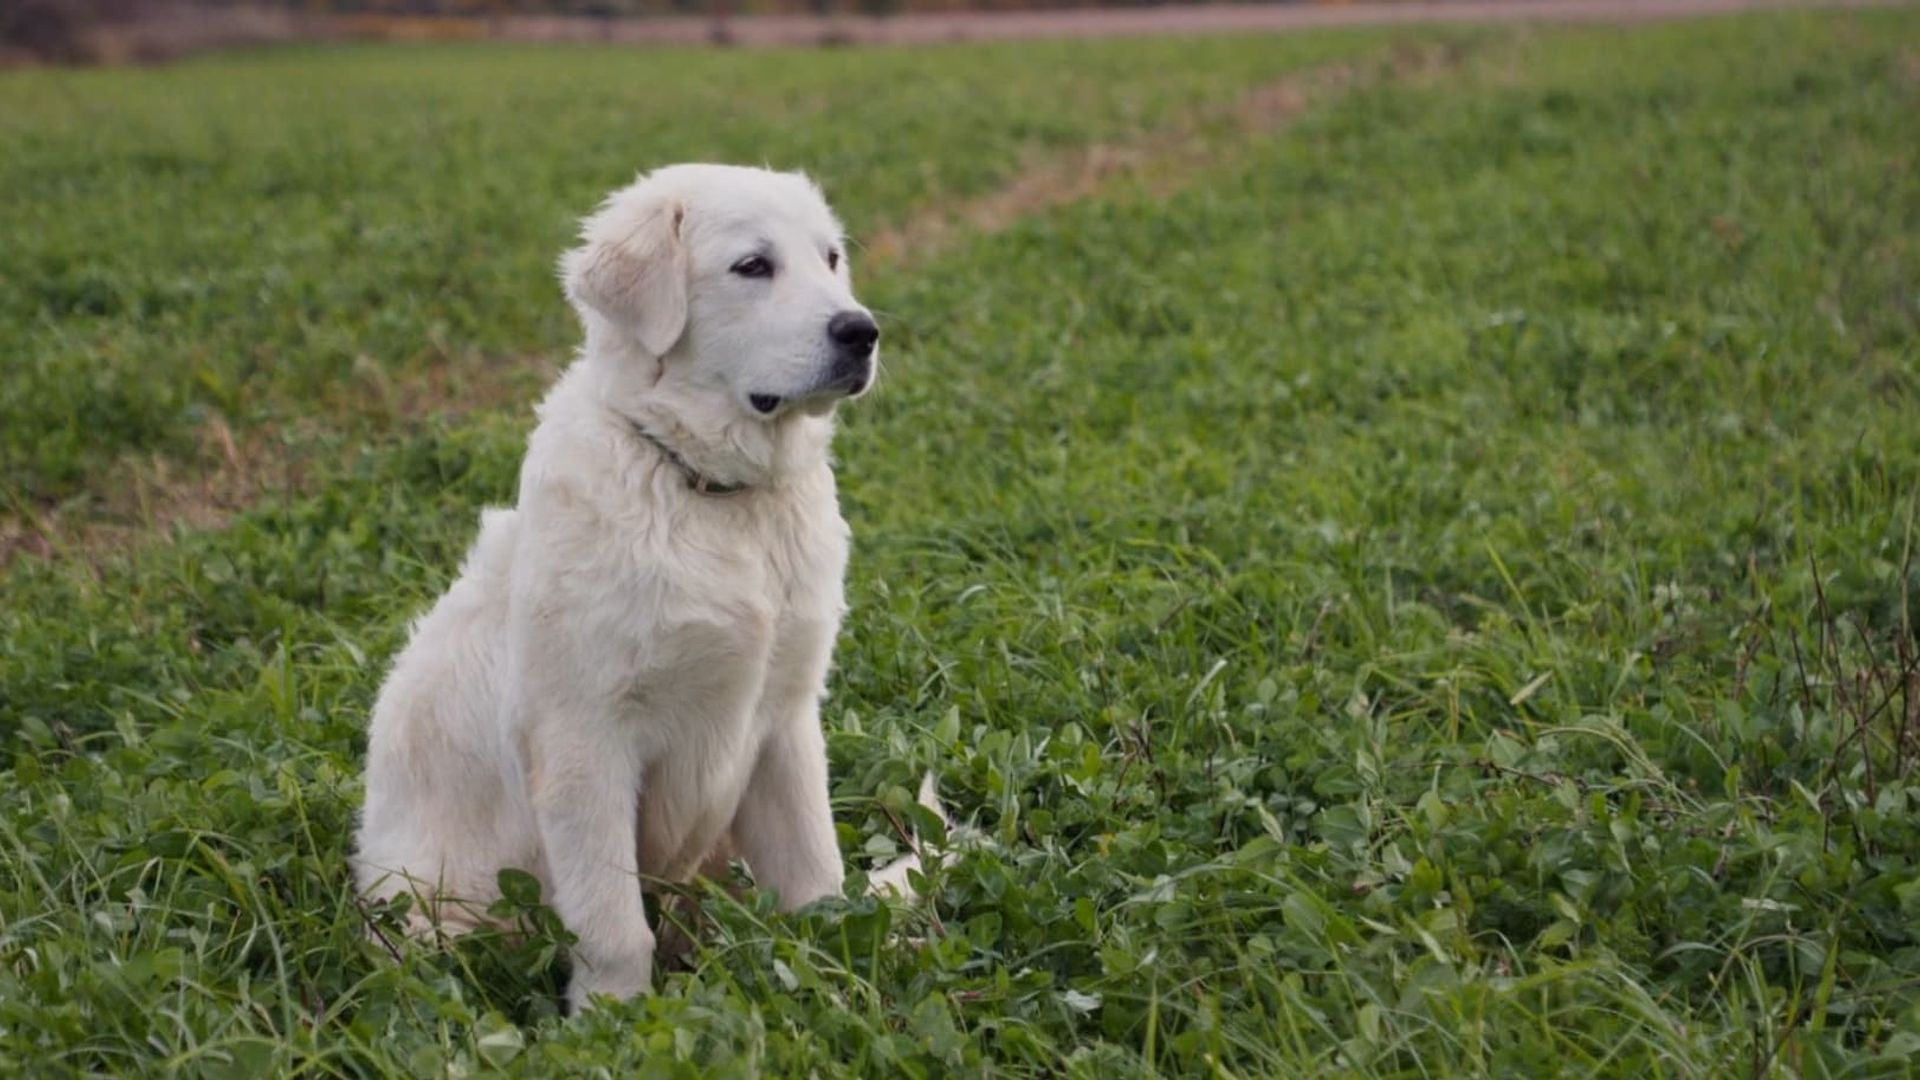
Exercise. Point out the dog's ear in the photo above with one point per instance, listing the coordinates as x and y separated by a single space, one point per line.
637 280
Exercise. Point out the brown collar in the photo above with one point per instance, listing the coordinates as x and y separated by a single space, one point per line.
700 482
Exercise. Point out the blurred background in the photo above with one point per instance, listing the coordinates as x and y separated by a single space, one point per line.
79 31
82 31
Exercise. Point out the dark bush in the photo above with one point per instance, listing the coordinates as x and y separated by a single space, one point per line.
57 31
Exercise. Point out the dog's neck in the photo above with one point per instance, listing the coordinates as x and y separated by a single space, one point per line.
701 432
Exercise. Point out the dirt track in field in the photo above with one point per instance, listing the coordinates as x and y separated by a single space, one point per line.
224 478
154 495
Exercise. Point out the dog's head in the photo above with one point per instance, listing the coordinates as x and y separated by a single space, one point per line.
734 282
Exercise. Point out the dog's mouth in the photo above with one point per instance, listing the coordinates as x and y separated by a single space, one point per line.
768 404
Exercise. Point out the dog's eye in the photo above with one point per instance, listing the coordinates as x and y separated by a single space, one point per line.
833 259
754 266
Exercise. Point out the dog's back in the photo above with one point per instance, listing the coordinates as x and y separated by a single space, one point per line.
441 816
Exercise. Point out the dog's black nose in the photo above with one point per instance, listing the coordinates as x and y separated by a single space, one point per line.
853 331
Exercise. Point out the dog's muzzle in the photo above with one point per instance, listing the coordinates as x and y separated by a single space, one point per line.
854 335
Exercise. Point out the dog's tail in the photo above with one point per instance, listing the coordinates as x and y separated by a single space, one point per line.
893 877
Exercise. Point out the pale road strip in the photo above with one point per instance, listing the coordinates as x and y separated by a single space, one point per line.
166 33
912 28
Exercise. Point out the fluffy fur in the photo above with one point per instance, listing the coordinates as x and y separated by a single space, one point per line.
624 681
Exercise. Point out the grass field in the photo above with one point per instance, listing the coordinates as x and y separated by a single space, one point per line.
1423 593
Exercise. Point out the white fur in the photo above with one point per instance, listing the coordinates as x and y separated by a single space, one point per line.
625 679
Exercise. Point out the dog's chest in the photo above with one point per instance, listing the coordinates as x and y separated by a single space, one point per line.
746 603
776 568
748 652
802 566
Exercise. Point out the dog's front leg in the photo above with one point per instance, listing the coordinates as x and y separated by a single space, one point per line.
784 826
585 785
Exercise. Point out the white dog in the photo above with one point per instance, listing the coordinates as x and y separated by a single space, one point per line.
625 679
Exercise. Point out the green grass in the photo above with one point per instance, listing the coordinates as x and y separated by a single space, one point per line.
271 239
1417 603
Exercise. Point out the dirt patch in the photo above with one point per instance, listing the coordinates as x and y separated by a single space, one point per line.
153 494
1162 161
229 473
